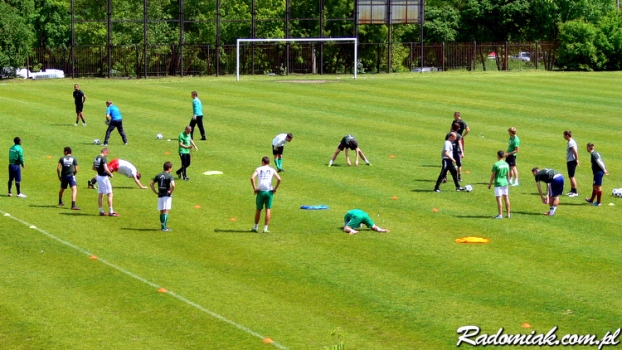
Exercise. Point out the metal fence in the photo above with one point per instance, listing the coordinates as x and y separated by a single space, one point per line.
292 58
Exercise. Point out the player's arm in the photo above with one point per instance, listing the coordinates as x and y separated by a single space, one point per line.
356 161
466 131
138 183
278 182
153 187
348 156
21 158
193 144
107 170
448 155
58 168
492 177
170 192
601 164
83 98
253 181
461 149
576 154
75 172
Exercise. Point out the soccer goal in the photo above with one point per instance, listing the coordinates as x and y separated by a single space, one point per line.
237 50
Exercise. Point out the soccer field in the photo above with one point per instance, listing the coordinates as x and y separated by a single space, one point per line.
307 284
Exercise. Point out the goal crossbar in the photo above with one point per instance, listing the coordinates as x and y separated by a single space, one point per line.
237 50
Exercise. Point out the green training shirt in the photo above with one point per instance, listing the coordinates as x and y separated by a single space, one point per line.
16 155
513 144
501 170
185 140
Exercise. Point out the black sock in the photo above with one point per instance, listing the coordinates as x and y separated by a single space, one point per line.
18 187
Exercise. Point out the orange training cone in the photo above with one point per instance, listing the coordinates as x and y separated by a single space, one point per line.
268 341
167 152
394 198
435 210
92 257
526 325
162 290
391 156
233 219
197 207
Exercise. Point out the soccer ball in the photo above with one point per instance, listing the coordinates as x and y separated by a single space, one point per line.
96 142
159 136
617 192
468 188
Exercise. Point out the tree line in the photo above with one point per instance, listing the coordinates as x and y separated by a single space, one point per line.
588 33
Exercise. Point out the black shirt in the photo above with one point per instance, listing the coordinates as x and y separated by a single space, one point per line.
77 96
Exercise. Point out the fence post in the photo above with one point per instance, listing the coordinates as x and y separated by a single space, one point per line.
507 50
537 54
443 53
474 55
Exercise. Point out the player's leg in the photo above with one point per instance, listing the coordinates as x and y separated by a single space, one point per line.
121 131
60 196
74 195
111 127
186 165
360 152
201 129
348 157
193 123
100 202
110 210
334 156
267 220
18 181
506 198
499 207
268 201
454 175
259 204
441 176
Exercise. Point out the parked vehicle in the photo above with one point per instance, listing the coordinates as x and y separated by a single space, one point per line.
523 56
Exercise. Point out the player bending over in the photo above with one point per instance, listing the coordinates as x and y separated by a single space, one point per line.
354 218
350 142
122 167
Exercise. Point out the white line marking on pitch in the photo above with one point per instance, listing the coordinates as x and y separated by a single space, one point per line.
176 296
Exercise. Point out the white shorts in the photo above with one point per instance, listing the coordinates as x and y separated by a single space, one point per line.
165 203
501 191
103 185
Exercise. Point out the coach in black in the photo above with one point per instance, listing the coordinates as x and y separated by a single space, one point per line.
79 99
448 163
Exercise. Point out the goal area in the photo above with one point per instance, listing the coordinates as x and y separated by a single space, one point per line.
237 49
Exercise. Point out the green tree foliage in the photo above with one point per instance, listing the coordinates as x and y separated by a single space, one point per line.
577 50
441 23
494 20
610 42
52 23
16 36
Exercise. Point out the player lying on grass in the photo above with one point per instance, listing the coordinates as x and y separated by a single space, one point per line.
122 167
354 218
350 142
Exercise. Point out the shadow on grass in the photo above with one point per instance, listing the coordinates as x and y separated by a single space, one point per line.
432 190
584 203
430 166
140 229
44 206
422 180
124 187
528 213
74 213
61 124
474 216
334 165
238 231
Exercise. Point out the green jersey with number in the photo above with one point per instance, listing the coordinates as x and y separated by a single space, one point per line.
164 181
501 170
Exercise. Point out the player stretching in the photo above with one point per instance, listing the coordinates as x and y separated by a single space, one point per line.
555 187
264 191
354 218
166 186
598 169
350 142
122 167
277 149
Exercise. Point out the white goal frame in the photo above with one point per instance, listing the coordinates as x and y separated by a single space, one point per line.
237 50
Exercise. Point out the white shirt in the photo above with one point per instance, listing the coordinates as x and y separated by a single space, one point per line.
448 146
126 168
570 155
280 140
265 174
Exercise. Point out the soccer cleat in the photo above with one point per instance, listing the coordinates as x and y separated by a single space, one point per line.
458 189
203 138
266 231
101 213
76 124
588 200
548 213
186 178
126 143
596 204
445 180
499 217
61 204
166 229
253 230
21 195
279 170
75 208
573 194
513 184
368 164
437 190
105 145
329 165
508 216
113 214
353 232
83 124
178 174
9 195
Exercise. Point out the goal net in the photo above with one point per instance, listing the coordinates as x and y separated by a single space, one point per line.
282 40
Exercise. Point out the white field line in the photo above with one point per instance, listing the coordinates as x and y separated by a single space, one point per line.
120 269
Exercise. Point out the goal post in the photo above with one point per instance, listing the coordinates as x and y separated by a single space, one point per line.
237 50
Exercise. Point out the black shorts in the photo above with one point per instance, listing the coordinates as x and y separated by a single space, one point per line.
457 158
343 145
572 166
68 181
511 160
277 151
79 108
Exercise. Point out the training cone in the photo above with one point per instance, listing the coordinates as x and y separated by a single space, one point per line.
92 257
49 157
7 214
391 156
197 207
268 341
233 219
167 152
467 172
394 198
526 325
435 210
162 290
33 226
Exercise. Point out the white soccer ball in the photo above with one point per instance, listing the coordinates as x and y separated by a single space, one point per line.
617 192
468 188
96 142
159 136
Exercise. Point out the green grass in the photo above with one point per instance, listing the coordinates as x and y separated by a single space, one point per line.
308 285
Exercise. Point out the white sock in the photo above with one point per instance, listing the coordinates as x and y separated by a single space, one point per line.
331 162
553 208
101 210
255 227
265 228
111 210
